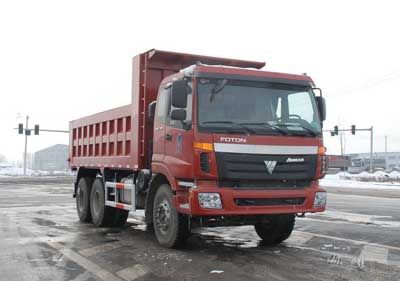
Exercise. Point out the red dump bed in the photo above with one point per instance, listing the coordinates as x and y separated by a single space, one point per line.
120 137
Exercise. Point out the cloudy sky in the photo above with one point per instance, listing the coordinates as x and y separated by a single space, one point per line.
60 60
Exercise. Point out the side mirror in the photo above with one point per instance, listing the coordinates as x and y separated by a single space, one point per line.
178 114
321 107
152 110
179 94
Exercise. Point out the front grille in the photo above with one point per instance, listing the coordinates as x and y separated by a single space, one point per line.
252 167
269 201
265 184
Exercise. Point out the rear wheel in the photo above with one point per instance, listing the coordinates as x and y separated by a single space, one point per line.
102 215
276 230
83 199
170 227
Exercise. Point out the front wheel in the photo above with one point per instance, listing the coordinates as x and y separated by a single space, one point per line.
276 230
170 227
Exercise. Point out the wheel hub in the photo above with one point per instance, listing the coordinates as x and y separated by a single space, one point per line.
163 216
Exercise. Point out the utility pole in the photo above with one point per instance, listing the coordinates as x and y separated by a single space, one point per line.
27 132
341 144
385 144
372 150
26 143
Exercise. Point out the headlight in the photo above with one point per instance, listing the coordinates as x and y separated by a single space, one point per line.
210 200
320 199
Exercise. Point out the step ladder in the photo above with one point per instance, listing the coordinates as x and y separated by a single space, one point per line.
116 188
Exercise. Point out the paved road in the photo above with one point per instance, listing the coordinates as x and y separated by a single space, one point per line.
42 239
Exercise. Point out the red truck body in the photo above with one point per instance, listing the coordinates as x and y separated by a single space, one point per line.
126 140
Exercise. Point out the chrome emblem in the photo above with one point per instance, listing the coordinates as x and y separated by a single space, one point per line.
270 165
294 160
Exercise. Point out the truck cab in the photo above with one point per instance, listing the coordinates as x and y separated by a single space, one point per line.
238 144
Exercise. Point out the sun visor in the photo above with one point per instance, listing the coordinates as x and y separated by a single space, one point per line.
182 60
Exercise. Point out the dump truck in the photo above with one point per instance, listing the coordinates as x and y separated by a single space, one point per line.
205 142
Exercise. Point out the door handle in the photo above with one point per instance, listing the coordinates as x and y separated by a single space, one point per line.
168 137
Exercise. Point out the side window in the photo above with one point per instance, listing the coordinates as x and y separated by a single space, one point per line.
300 104
188 120
163 104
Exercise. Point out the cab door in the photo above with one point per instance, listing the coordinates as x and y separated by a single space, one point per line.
160 118
179 142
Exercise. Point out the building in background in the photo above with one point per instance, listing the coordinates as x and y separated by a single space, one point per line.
387 161
53 158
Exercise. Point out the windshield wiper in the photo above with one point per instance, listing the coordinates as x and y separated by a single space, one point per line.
267 125
310 131
247 129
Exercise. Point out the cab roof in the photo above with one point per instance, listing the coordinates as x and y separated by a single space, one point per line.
222 71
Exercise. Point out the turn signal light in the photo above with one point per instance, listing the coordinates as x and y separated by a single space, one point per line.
204 146
321 150
322 164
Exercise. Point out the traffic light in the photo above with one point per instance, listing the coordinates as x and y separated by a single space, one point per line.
336 130
20 128
353 129
36 129
27 132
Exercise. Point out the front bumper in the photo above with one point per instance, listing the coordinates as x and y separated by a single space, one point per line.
230 196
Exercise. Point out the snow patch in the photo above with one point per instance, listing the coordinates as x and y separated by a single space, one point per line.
11 171
359 218
377 180
14 171
217 271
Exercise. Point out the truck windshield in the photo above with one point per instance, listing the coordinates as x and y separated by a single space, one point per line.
256 108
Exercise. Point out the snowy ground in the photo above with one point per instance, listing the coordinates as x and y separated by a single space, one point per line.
377 180
8 171
42 239
352 217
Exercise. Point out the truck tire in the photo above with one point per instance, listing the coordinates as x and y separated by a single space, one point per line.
170 227
277 230
120 218
102 215
83 199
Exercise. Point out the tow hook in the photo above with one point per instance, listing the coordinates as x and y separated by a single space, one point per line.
301 215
